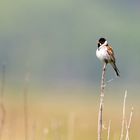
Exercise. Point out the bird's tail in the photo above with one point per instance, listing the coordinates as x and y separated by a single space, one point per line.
116 69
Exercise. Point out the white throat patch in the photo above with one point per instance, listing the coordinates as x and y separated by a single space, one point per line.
104 44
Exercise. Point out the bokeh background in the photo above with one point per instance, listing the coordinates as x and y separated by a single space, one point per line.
53 42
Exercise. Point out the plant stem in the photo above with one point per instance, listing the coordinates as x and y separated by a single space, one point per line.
100 114
129 124
25 94
108 133
2 107
123 117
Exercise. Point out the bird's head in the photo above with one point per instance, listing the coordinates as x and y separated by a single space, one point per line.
102 42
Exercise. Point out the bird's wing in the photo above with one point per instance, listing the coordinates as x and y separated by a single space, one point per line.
111 53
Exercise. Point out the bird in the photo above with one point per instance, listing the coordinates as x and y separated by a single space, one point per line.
105 54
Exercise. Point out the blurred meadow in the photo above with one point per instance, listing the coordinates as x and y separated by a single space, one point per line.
49 73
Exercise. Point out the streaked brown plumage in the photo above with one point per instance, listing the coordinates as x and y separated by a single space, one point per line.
105 53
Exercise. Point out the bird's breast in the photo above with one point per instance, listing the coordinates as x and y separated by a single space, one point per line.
102 54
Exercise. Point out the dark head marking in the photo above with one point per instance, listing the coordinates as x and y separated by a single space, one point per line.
102 40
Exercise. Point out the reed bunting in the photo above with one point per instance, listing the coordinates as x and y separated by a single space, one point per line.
106 54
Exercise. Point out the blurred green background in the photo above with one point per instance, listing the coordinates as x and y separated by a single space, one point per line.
55 42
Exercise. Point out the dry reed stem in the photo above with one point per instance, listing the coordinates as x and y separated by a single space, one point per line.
123 116
33 131
108 132
100 114
26 117
71 122
2 117
2 107
129 124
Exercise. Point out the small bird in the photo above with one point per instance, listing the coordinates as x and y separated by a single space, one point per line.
106 54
